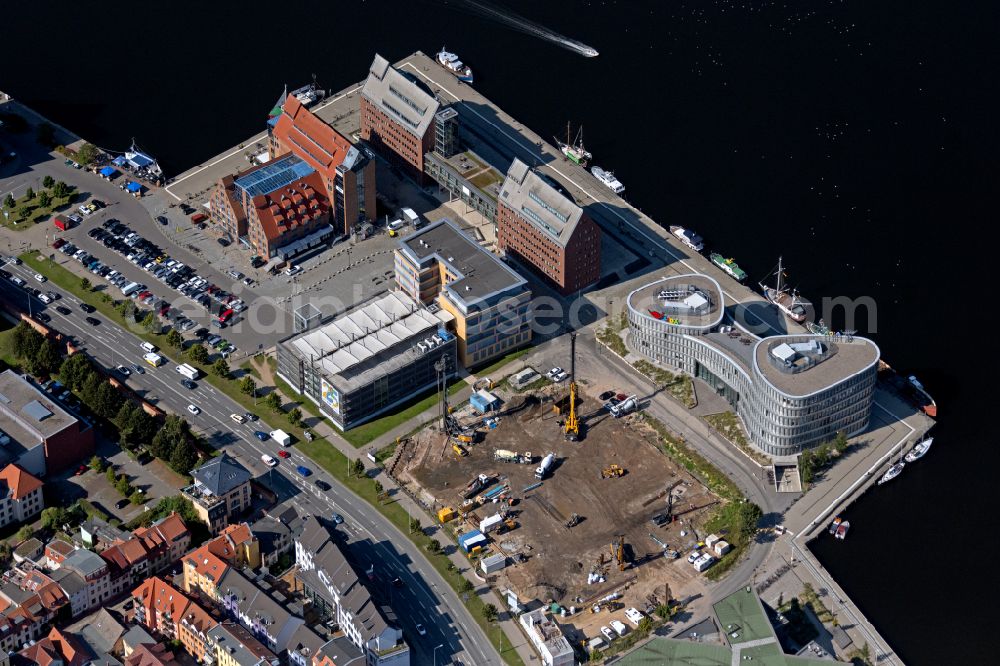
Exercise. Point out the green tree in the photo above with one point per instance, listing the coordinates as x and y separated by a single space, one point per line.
357 467
107 401
123 486
663 611
85 284
29 194
173 431
840 443
749 517
110 475
645 625
174 339
248 386
48 182
433 546
198 353
74 371
26 341
54 517
44 199
87 154
596 656
25 533
150 323
9 202
97 464
183 457
47 359
126 308
24 212
60 190
5 554
273 401
295 416
414 525
137 498
466 586
221 368
490 613
379 489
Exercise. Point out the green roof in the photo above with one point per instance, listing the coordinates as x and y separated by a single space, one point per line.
742 613
661 651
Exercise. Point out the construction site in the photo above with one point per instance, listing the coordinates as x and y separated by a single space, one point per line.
578 508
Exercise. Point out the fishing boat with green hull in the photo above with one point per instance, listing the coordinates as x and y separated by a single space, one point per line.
730 267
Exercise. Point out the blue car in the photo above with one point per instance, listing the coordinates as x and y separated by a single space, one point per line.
262 436
303 470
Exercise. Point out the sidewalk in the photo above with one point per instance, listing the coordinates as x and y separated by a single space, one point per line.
514 635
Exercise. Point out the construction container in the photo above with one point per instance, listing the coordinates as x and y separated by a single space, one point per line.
490 523
711 540
471 540
721 547
446 514
483 401
493 563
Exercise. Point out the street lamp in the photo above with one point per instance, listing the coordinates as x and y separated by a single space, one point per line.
436 648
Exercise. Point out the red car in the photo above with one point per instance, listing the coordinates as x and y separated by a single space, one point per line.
284 454
58 243
226 316
80 470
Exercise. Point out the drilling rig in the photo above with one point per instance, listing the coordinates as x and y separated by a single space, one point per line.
572 423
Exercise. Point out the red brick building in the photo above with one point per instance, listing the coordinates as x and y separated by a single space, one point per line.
397 117
347 172
279 208
541 227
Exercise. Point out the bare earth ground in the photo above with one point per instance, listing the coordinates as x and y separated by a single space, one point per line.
560 558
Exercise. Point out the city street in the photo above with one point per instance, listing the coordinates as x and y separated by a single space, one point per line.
425 598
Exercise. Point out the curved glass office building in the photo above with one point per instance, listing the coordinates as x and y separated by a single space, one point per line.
791 391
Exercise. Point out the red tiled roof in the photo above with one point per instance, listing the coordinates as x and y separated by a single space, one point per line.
151 655
58 550
156 595
311 139
19 481
57 647
278 213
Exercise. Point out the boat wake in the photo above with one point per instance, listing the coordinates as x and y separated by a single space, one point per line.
522 24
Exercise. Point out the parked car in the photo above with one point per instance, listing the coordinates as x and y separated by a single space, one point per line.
93 321
262 436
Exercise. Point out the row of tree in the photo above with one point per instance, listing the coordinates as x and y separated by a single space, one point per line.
38 354
812 461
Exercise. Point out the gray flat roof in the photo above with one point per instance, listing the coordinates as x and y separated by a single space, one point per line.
482 274
399 97
393 321
27 414
541 204
841 360
695 300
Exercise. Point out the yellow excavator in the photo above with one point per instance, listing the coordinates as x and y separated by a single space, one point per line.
572 423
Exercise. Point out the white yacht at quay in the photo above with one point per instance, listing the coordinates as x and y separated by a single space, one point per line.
608 178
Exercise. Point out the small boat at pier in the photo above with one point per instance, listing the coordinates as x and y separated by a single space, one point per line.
728 266
451 62
892 473
574 152
842 530
608 178
688 237
919 451
835 524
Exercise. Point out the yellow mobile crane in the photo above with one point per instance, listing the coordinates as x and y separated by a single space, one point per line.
572 423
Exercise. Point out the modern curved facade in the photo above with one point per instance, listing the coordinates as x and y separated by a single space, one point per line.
791 391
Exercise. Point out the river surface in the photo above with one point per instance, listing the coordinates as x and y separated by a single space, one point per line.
856 139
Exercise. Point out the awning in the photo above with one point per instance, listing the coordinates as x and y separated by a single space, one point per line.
133 187
139 160
107 171
303 244
119 161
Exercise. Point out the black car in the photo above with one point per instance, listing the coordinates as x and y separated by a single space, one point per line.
397 582
63 310
223 242
93 321
188 384
42 317
121 504
201 333
322 485
162 220
87 308
607 395
5 274
98 203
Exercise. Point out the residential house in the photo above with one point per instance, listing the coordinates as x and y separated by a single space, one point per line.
274 537
83 566
134 637
326 578
203 567
339 651
233 645
59 648
28 551
56 552
152 655
101 632
147 551
221 491
269 622
166 611
20 495
303 646
547 638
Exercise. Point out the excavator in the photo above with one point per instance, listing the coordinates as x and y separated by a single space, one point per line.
572 422
618 551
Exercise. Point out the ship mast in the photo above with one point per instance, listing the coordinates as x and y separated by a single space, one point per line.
780 271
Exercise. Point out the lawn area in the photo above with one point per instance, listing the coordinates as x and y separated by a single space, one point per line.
38 212
6 340
366 432
334 462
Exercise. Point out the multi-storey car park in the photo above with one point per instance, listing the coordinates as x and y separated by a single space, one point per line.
791 391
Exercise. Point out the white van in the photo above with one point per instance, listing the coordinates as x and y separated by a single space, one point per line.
395 225
411 217
154 360
188 371
149 347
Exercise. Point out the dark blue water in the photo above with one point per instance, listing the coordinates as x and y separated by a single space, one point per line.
858 139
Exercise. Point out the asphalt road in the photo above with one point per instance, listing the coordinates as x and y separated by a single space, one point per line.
425 597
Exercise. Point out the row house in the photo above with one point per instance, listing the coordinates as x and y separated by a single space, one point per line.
203 567
148 551
165 610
